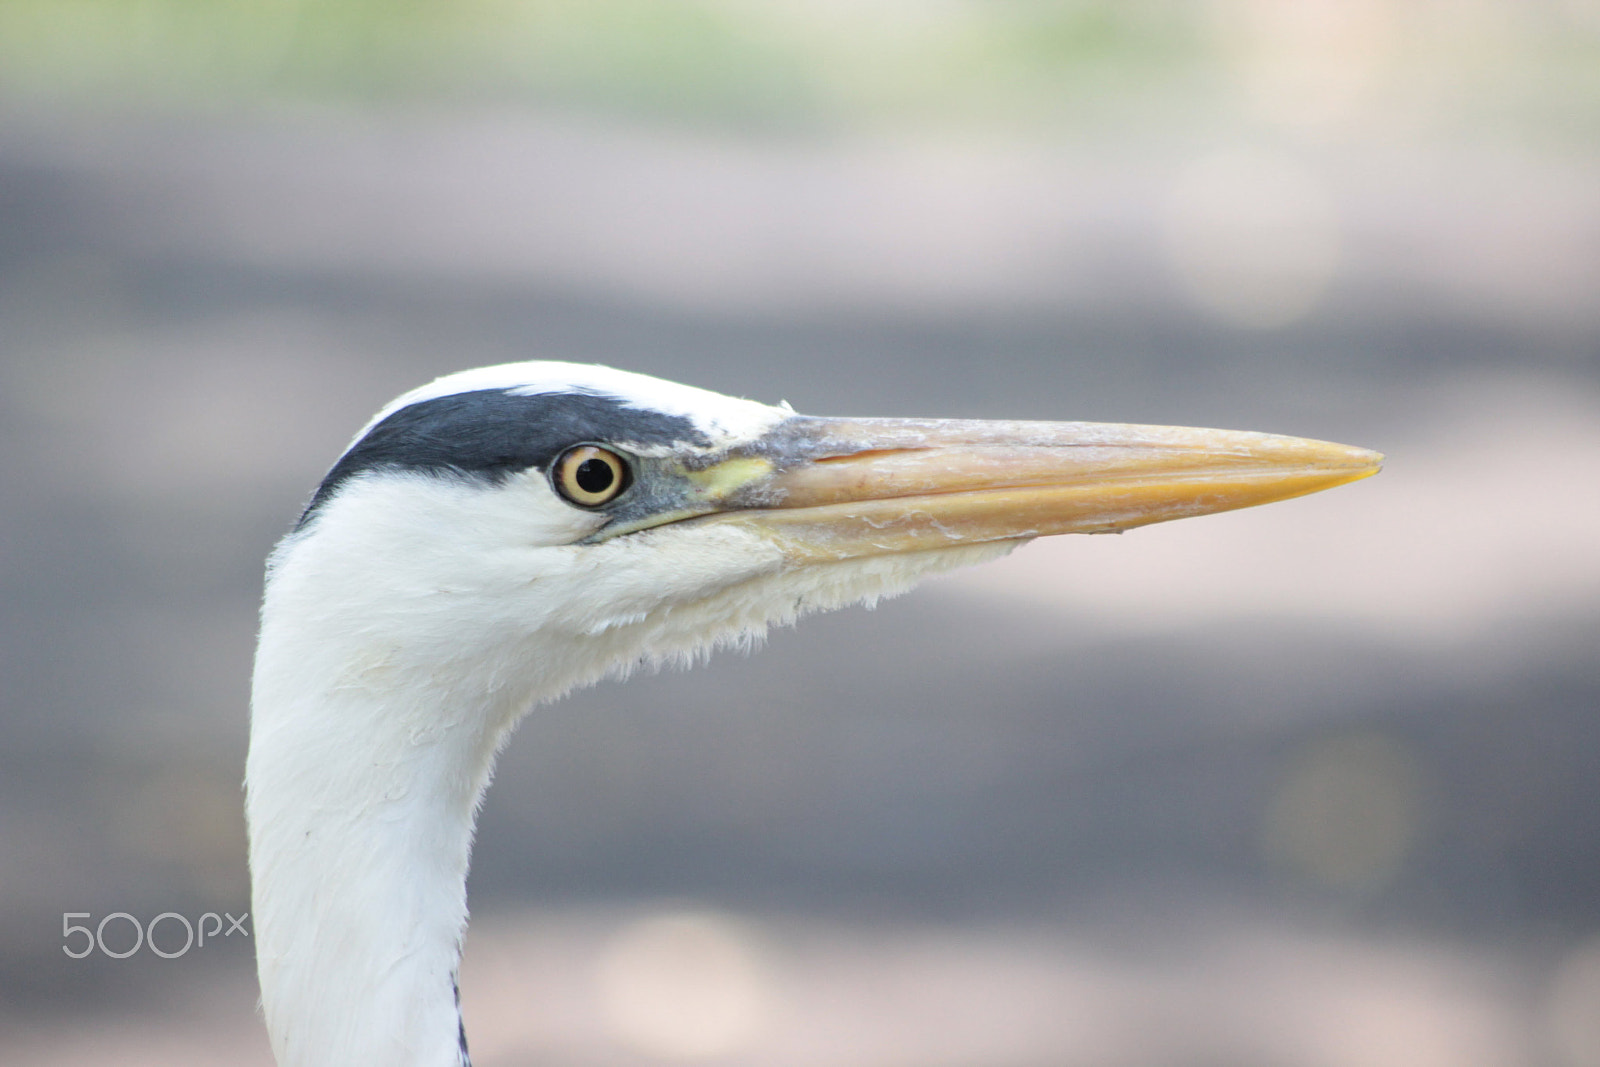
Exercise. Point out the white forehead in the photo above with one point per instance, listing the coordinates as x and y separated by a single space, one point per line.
717 415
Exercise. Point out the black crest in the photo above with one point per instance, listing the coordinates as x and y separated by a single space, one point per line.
492 434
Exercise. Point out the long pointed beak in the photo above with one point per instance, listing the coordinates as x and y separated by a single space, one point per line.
830 489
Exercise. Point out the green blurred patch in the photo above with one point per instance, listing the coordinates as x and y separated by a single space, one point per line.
761 59
787 61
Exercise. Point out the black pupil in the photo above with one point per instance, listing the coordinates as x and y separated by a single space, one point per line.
594 476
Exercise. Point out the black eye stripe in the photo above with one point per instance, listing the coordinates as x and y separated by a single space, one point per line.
491 434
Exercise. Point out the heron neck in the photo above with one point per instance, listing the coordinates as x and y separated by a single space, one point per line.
361 802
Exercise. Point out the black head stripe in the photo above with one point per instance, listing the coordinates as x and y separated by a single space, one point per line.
492 434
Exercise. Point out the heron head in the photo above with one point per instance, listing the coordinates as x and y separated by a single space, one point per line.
638 519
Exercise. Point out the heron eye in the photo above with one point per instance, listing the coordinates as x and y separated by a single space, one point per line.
589 475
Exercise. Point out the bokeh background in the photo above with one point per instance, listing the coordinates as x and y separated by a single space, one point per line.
1313 785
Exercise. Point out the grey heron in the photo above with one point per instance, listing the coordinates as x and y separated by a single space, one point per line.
494 539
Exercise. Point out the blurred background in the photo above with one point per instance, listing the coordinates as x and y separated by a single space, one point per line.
1312 785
